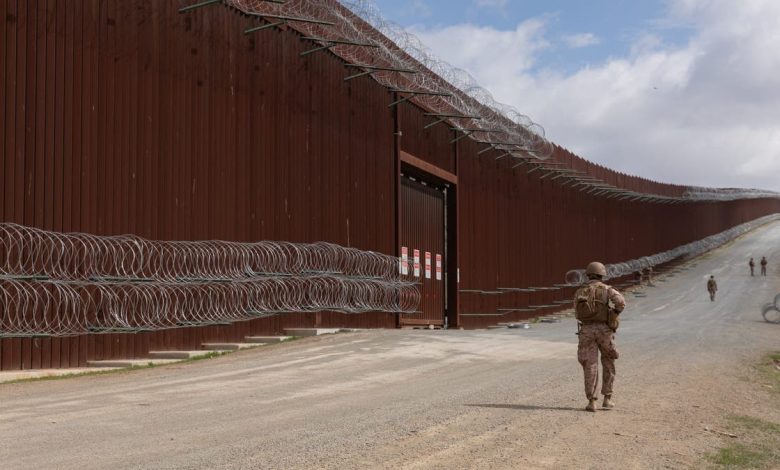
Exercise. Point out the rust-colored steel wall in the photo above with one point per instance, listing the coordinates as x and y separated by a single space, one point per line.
531 231
431 144
124 116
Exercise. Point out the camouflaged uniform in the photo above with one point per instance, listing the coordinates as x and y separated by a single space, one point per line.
712 287
649 275
596 336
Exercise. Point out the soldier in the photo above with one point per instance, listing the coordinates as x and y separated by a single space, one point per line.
763 265
752 265
649 276
712 287
594 317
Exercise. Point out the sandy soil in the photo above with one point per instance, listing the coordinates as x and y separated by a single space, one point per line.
421 399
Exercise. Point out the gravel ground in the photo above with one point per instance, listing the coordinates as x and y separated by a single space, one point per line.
429 399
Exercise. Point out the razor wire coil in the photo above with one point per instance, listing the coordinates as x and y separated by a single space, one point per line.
577 276
63 284
401 62
771 311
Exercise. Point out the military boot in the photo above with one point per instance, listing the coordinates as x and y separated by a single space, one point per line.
608 403
591 405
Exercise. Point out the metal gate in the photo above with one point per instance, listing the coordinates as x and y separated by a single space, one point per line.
423 253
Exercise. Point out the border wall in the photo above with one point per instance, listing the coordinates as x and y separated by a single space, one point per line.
125 116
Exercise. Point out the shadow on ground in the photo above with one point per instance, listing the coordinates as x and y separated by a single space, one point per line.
522 407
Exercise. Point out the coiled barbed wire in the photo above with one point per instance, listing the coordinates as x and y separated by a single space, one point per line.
689 250
771 311
356 31
726 194
402 62
61 284
27 251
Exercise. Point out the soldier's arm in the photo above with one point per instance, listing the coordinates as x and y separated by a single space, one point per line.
617 299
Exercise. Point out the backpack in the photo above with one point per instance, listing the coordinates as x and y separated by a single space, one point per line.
591 304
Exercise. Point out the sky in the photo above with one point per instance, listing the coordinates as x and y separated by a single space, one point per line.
677 91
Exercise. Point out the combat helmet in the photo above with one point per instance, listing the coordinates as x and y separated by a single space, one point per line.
596 268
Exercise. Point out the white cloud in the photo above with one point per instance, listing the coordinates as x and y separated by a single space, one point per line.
420 9
701 113
491 3
492 56
576 41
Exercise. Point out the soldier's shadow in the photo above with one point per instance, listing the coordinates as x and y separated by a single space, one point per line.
522 407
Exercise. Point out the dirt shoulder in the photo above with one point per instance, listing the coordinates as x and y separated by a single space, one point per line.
670 417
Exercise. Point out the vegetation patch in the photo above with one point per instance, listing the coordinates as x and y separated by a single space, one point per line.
769 369
149 365
757 441
205 356
738 456
90 373
757 445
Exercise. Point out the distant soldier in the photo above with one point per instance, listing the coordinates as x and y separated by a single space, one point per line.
649 275
597 323
752 265
763 265
712 287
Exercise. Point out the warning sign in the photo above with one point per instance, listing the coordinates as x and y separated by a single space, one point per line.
404 261
427 265
416 263
438 267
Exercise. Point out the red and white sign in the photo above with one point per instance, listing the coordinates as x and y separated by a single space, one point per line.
416 263
427 265
404 260
438 267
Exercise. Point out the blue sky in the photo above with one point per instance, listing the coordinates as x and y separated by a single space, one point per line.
678 91
614 24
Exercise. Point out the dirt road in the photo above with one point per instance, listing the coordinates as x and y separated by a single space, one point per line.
428 399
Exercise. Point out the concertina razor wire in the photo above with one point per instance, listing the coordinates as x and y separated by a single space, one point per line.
400 61
61 284
355 31
577 276
771 311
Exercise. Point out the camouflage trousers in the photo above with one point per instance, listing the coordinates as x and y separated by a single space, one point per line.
594 338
